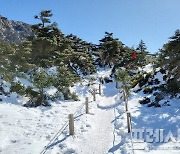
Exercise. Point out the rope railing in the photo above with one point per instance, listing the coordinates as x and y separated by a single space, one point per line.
74 115
60 131
65 125
55 137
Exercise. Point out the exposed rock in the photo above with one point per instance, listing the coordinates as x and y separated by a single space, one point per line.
155 104
107 80
145 101
159 97
14 31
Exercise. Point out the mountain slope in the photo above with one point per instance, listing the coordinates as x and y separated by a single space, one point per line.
13 31
102 131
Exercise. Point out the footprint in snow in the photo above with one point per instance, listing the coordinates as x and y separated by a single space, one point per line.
61 145
48 137
70 151
83 128
14 141
88 125
121 133
118 125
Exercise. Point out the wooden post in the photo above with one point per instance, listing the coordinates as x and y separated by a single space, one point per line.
87 106
94 94
129 121
71 124
99 89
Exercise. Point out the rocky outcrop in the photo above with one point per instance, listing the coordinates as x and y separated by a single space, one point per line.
14 31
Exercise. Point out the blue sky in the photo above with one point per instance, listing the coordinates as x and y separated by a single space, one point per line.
130 20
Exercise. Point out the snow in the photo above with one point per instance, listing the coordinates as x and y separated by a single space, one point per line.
100 132
159 76
104 130
148 68
165 118
28 129
23 81
51 91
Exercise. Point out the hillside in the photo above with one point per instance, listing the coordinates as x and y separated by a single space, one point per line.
124 100
103 130
13 31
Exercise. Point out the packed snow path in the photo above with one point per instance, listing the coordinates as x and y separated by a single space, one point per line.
100 136
102 131
94 132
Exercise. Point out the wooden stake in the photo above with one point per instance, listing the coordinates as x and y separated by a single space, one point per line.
71 124
129 121
94 94
87 106
99 89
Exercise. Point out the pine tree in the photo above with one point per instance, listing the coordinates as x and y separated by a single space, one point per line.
169 59
113 52
46 40
41 80
65 78
141 46
22 58
44 17
80 57
141 53
123 76
110 49
7 67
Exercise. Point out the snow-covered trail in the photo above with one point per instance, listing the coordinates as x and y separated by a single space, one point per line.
100 132
100 136
96 132
103 131
104 122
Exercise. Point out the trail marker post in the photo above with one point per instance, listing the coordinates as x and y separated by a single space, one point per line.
94 94
87 105
129 121
99 89
71 124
